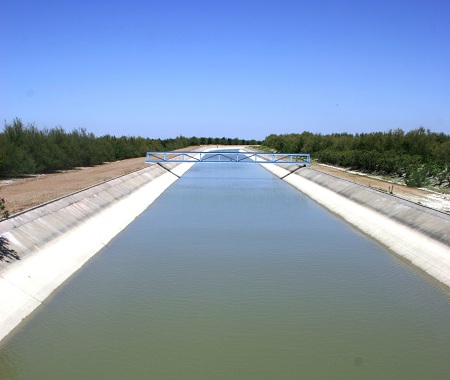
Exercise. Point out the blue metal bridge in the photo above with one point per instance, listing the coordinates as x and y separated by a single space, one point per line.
302 159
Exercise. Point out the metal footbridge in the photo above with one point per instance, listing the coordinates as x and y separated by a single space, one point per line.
301 159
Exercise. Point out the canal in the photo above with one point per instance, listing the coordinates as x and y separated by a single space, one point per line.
232 273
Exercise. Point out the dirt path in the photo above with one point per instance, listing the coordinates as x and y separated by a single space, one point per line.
434 200
21 194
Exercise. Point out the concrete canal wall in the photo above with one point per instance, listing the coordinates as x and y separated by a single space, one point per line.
56 239
416 233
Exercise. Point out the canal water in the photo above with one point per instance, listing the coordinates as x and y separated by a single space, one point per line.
233 274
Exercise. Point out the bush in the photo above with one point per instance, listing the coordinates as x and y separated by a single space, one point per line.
417 177
4 213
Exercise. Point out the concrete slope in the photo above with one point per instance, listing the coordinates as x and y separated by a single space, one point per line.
419 235
56 239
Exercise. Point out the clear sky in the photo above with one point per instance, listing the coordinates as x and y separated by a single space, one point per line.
244 68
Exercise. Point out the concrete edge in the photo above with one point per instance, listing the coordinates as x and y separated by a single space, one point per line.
25 284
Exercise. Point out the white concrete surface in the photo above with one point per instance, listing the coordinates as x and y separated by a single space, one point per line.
25 284
426 253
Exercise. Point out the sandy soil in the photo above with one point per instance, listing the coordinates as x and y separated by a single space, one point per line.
23 193
434 200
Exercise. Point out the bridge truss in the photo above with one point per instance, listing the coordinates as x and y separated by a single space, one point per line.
302 159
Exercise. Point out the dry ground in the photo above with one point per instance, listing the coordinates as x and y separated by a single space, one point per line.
432 199
23 193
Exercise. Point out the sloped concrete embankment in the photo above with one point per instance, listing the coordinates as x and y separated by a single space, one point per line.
54 240
416 233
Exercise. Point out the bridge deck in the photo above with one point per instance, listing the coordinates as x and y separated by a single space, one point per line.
302 159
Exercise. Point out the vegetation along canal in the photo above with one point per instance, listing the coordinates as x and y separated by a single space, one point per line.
232 273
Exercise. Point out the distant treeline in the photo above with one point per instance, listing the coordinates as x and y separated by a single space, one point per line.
420 156
28 150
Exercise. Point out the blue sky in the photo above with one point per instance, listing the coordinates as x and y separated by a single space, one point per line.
226 68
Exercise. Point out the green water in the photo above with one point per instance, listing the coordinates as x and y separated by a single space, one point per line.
233 274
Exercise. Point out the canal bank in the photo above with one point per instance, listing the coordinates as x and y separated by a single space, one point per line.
56 239
417 234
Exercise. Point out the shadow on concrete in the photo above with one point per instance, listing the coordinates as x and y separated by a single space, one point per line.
7 254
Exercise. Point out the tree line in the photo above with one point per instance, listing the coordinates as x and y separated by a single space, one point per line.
420 156
25 149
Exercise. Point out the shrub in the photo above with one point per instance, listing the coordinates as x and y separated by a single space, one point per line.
4 213
417 177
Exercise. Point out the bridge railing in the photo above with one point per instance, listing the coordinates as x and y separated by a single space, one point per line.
302 159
